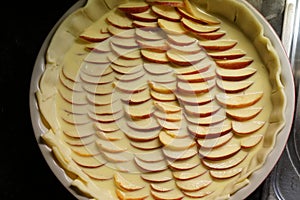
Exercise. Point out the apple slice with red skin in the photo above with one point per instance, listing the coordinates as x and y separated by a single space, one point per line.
238 63
210 36
181 154
150 35
129 182
91 35
194 184
171 27
181 40
189 174
134 7
119 19
238 100
226 163
225 151
158 177
168 195
146 16
218 45
247 127
151 166
243 114
128 43
147 145
121 33
210 143
184 164
235 74
171 3
195 88
153 45
176 143
133 195
157 69
185 58
145 25
233 86
156 57
197 77
227 55
163 187
251 141
195 99
142 135
166 12
202 110
227 173
196 27
194 12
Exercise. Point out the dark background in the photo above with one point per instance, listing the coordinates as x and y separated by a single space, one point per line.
24 173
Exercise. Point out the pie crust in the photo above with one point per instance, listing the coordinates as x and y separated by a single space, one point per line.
181 109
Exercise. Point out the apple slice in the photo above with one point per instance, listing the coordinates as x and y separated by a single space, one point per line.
194 184
147 145
195 99
89 162
233 86
176 143
134 7
119 19
218 45
157 68
157 177
142 135
226 163
189 174
78 141
196 78
238 100
197 194
210 36
146 16
104 79
202 66
107 127
162 88
200 15
168 117
99 47
248 127
225 151
184 58
228 54
169 125
111 146
171 3
146 25
118 157
133 195
148 124
181 154
171 27
167 195
198 28
121 33
181 40
137 97
150 35
117 60
150 156
195 88
166 12
99 89
214 142
211 131
97 58
139 111
235 63
163 187
227 173
127 43
95 70
130 77
126 70
202 110
167 108
162 97
108 109
243 114
113 136
156 57
184 164
153 45
100 173
126 53
92 35
235 74
89 150
100 100
77 98
192 48
151 166
106 118
129 182
251 141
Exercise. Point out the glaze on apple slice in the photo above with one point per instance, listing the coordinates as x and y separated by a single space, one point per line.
157 177
198 28
176 143
134 7
194 184
168 195
133 195
170 3
243 114
151 166
129 182
202 110
146 16
218 45
184 58
212 131
89 161
184 164
238 63
227 173
189 174
210 143
153 56
235 74
233 86
251 141
119 20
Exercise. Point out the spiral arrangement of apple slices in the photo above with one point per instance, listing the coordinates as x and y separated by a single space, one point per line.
158 104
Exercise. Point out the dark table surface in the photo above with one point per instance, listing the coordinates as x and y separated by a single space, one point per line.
24 174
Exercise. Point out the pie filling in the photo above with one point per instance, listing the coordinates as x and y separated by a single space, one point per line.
158 99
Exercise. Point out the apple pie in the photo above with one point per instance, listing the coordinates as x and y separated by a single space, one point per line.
161 99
